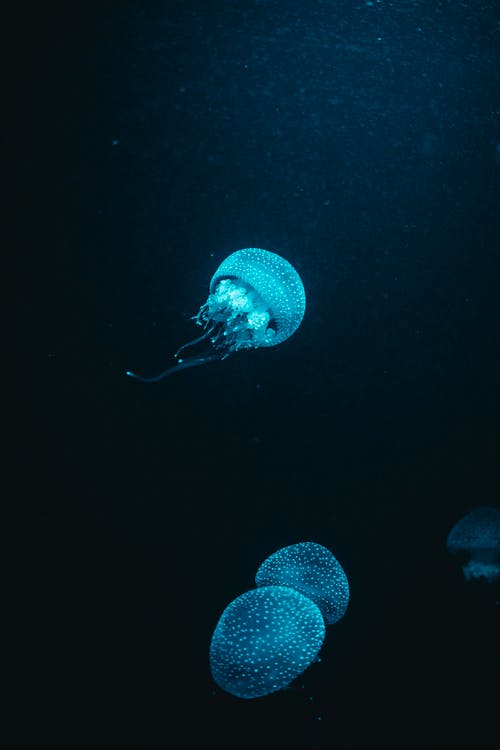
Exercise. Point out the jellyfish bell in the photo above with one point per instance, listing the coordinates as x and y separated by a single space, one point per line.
312 570
476 539
270 635
256 300
263 640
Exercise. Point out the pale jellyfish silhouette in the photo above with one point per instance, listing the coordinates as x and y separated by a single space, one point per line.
265 639
268 636
313 570
256 300
476 538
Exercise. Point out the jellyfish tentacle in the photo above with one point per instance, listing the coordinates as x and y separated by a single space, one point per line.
181 365
194 341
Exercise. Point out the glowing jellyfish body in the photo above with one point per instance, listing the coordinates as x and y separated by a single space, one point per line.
476 538
312 570
256 300
265 639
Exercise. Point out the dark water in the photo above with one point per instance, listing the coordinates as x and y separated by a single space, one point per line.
360 141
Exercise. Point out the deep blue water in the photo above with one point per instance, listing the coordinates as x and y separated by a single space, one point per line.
360 141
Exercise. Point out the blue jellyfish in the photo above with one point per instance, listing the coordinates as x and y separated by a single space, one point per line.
256 300
265 639
312 570
476 538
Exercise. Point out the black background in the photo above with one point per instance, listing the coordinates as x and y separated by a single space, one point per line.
151 140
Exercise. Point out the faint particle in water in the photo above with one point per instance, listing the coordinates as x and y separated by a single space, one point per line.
265 639
312 570
476 539
256 300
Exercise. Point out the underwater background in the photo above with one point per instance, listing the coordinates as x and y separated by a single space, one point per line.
360 141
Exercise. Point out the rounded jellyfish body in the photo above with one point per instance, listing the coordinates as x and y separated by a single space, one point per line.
476 537
265 639
256 299
312 570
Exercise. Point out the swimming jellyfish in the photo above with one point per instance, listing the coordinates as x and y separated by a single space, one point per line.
265 639
476 537
312 570
256 300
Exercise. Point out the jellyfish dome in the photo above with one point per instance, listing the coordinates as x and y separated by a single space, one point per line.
265 639
312 570
257 297
256 300
476 537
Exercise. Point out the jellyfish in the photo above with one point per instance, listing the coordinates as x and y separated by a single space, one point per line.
476 538
265 639
312 570
256 300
